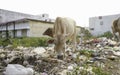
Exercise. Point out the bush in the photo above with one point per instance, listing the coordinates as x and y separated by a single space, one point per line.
26 42
5 42
86 34
107 34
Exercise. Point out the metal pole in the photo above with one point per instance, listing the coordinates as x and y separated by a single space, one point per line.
14 30
7 31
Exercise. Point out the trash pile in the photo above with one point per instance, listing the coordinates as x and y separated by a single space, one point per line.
99 56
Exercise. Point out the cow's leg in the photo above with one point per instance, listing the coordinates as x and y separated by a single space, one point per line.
74 43
115 37
60 55
119 37
65 47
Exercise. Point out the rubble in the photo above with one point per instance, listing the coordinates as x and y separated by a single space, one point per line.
96 56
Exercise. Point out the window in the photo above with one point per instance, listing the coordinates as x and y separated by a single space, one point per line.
100 17
43 15
91 28
101 22
24 32
0 18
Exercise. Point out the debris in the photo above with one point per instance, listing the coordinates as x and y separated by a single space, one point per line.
39 50
92 56
16 69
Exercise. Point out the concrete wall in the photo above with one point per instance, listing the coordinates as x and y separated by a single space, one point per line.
101 24
38 28
6 15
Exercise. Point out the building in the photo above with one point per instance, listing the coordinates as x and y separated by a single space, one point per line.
6 15
25 28
101 24
23 25
17 24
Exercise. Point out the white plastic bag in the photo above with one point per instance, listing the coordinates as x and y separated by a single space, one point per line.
16 69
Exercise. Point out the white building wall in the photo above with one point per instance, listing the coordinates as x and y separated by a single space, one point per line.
6 15
101 24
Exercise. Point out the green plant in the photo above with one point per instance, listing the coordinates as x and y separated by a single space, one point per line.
25 41
87 53
33 41
107 34
5 42
86 71
99 71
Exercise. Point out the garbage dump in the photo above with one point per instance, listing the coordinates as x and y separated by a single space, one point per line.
99 56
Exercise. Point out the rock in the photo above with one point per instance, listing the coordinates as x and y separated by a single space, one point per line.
99 58
116 48
112 57
116 53
70 68
112 43
16 69
20 47
39 50
43 73
95 54
50 48
81 68
98 46
89 69
2 55
90 61
75 55
82 58
25 63
64 72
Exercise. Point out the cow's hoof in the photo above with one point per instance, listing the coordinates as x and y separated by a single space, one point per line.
60 57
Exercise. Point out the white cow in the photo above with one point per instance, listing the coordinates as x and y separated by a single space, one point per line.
116 29
64 29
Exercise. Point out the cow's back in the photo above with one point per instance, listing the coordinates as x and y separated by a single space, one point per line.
65 26
118 25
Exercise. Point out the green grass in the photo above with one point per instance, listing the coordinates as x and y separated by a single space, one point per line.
26 42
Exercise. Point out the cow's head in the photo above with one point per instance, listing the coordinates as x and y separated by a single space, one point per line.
59 41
